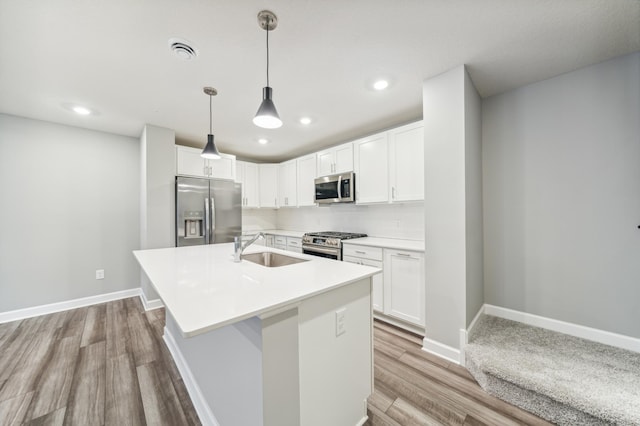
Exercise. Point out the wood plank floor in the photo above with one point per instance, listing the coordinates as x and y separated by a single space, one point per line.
413 387
101 365
108 365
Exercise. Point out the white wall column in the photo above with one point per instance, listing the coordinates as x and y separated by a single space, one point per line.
157 195
453 209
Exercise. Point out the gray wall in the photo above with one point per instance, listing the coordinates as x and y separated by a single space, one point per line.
562 197
69 206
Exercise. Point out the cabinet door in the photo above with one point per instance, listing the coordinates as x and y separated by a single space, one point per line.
268 185
406 162
269 240
343 158
325 162
371 168
377 281
378 285
223 168
287 188
404 285
250 185
189 162
306 175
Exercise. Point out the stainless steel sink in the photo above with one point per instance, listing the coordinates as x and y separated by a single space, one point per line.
271 260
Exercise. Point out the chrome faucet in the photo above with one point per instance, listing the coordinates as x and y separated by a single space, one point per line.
238 247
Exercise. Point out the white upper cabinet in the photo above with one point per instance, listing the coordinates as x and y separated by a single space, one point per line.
372 169
306 175
389 166
406 162
190 163
247 175
268 185
335 160
287 184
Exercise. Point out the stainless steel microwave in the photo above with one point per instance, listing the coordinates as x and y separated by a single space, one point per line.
340 188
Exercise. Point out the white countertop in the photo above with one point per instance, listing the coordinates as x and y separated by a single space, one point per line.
297 234
391 243
205 289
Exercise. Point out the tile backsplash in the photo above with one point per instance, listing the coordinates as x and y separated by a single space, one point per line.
404 221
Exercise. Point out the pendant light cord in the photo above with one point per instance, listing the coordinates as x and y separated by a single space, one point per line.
210 117
268 24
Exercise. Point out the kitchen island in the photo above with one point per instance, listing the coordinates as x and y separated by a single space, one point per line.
257 345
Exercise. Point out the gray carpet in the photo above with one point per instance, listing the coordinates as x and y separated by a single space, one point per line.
564 379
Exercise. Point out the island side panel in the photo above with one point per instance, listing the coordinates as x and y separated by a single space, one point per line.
281 369
336 372
226 365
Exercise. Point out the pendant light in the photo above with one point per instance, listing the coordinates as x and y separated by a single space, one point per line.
210 151
267 115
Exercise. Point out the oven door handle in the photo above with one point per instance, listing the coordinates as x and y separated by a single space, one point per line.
320 249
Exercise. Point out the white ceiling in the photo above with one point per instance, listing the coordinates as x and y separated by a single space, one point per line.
112 56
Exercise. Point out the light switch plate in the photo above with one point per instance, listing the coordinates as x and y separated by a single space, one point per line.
99 274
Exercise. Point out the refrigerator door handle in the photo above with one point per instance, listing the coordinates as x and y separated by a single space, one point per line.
206 221
213 221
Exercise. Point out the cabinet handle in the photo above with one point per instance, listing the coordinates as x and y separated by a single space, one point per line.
403 254
361 252
393 192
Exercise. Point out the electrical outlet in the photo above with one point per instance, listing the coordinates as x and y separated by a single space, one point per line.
341 326
99 274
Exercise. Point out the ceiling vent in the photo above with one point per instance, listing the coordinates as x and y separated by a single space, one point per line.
182 48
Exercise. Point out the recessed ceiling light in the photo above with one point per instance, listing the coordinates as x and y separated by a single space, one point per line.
381 84
80 110
263 141
305 120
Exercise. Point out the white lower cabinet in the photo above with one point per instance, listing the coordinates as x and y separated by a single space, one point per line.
280 242
399 290
294 244
268 240
377 292
369 256
404 285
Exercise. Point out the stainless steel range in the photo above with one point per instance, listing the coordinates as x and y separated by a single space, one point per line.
326 244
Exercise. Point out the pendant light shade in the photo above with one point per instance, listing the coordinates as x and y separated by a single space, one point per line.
267 116
210 151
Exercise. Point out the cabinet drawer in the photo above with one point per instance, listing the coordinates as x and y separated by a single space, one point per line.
373 253
294 242
279 239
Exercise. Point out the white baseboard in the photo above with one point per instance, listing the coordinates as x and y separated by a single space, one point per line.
199 402
600 336
150 304
441 350
66 305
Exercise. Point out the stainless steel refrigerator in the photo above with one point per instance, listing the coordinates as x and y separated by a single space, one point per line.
208 211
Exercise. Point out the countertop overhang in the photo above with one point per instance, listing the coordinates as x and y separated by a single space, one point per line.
204 289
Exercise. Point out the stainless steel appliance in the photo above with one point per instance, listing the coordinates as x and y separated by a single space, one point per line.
339 188
208 211
326 244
